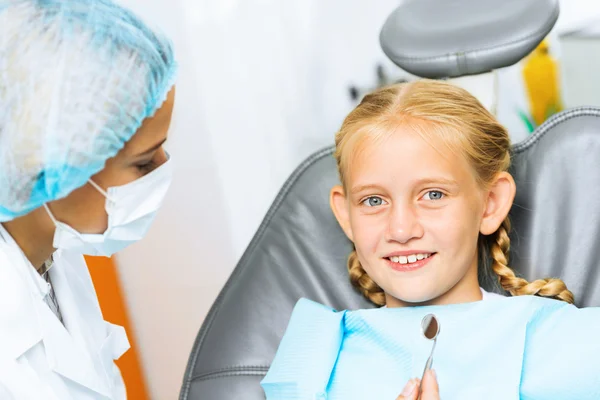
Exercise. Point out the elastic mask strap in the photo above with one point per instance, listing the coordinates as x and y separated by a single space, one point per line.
98 188
51 215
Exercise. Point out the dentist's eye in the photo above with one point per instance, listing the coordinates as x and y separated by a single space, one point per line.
373 201
433 195
147 167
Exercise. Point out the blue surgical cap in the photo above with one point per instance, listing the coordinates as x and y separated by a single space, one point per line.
77 79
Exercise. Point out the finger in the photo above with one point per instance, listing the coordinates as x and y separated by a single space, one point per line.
431 390
410 390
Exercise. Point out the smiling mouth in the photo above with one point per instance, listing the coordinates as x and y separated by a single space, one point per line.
410 259
409 262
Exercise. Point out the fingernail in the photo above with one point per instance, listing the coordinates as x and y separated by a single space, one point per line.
433 374
409 388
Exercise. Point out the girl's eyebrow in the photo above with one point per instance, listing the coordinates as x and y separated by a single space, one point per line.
437 180
361 188
424 181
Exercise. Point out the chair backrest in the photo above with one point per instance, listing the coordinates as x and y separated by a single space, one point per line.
556 216
300 251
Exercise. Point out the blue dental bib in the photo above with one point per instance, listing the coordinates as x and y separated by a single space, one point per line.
521 347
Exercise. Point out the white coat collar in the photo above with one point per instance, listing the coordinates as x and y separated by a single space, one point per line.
20 328
74 354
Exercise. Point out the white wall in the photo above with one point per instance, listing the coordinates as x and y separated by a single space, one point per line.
577 14
579 31
582 83
172 277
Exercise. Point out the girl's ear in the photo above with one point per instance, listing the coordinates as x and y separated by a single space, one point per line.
498 203
340 208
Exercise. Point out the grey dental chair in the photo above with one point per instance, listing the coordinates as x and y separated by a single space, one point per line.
299 250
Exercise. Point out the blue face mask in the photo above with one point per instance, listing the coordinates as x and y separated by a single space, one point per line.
131 209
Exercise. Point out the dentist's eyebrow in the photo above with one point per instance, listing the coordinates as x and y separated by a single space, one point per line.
153 148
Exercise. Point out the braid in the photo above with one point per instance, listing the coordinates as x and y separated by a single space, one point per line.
499 248
361 280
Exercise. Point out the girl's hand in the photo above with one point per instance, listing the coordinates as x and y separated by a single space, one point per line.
430 388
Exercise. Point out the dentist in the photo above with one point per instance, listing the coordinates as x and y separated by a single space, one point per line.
86 96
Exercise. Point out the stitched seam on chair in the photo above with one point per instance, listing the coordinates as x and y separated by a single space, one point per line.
554 121
249 370
540 31
242 264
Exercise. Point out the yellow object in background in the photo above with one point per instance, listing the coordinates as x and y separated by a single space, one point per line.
112 303
540 73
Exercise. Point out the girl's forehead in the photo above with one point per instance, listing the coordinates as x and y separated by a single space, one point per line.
404 154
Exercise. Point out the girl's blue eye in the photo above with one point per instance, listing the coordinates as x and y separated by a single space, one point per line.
433 195
373 201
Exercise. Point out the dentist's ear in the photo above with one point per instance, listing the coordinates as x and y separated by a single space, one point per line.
339 205
498 203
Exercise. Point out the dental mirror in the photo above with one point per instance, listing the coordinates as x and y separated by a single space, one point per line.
430 327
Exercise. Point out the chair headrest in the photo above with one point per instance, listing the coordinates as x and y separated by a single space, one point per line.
448 38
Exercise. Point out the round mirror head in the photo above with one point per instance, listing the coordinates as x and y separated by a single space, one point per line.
430 326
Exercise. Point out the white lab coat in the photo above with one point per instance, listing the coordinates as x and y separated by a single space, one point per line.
39 357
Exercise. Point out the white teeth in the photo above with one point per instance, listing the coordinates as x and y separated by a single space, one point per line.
409 259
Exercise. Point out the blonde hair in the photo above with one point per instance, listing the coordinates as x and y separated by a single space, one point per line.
430 108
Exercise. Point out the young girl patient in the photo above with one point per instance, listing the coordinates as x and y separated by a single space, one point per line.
424 197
